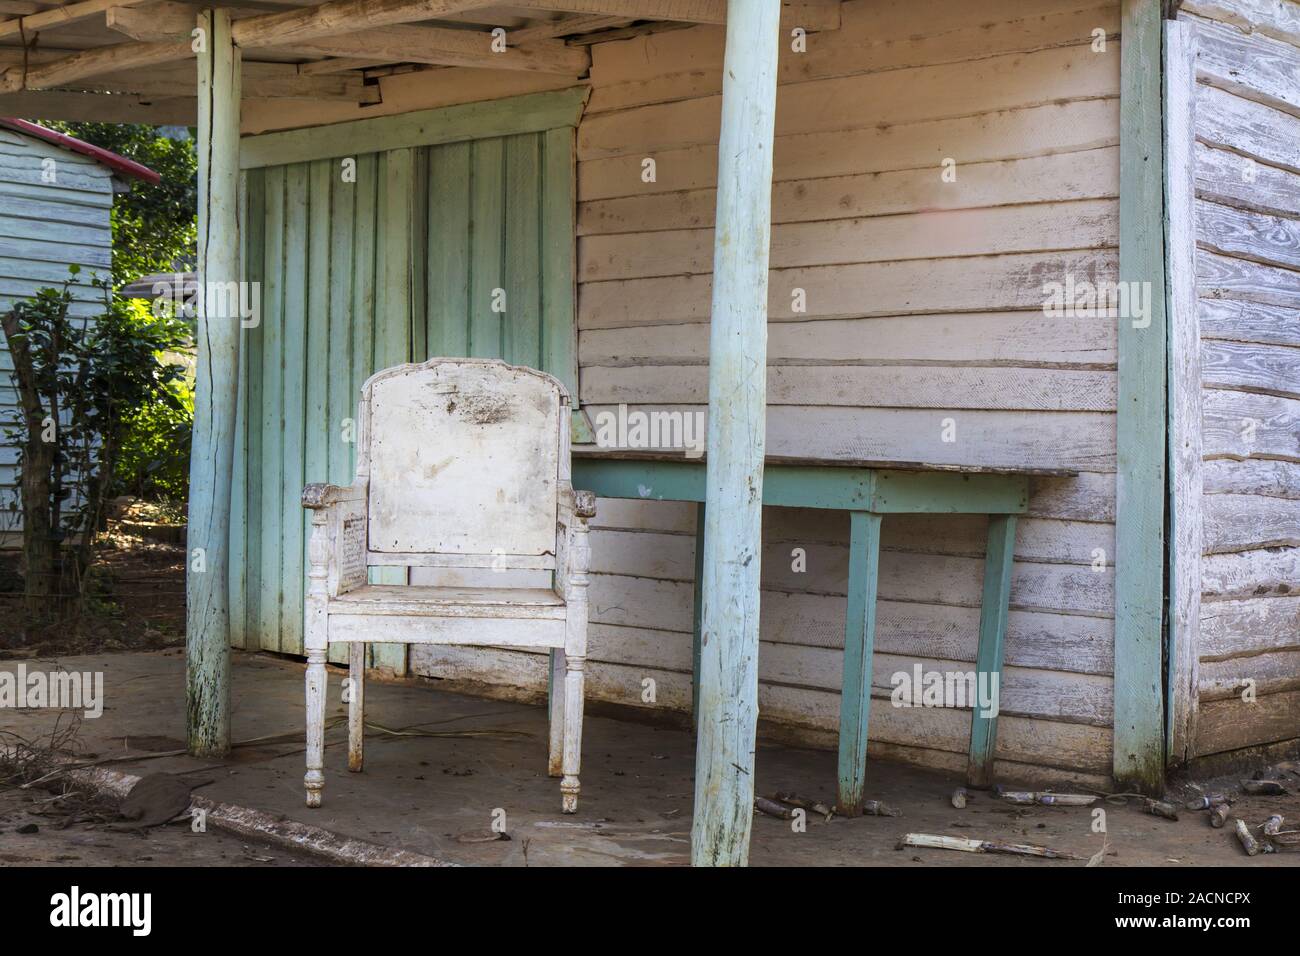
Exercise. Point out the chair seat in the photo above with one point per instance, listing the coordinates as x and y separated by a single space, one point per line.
425 601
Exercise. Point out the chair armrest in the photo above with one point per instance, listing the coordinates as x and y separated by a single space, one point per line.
584 504
575 506
321 495
337 548
573 554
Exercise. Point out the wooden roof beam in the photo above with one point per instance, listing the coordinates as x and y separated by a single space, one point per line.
471 48
69 13
338 64
108 59
564 26
342 16
260 80
97 107
810 14
684 11
257 28
395 43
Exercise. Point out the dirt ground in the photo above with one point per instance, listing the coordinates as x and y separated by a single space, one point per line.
81 845
137 601
441 768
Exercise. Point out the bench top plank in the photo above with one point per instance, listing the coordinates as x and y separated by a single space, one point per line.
596 453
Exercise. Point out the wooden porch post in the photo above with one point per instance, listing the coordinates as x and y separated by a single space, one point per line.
1138 758
728 695
207 640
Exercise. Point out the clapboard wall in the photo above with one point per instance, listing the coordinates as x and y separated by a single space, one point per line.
54 212
1246 160
924 304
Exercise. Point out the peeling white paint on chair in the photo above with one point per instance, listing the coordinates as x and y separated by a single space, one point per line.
461 464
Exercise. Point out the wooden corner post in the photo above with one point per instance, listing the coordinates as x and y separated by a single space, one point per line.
216 391
728 695
1138 756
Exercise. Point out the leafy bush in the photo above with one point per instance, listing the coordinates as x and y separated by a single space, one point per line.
154 231
155 459
81 384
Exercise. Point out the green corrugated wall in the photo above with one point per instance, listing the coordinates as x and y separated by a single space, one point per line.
399 265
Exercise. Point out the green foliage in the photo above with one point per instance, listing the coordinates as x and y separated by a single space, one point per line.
154 230
154 227
155 457
152 399
82 385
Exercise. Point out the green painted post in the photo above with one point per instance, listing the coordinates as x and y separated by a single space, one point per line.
859 645
207 626
993 634
1138 756
724 762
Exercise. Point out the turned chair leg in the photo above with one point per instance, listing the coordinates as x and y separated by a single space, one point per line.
356 705
573 689
556 687
316 688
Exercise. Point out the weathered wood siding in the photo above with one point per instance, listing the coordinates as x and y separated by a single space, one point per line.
924 303
1247 222
44 228
399 264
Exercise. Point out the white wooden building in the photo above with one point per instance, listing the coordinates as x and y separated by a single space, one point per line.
56 196
940 167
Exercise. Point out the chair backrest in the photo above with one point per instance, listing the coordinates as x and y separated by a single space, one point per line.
464 458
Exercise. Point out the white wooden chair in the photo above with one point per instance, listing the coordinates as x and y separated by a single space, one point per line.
461 464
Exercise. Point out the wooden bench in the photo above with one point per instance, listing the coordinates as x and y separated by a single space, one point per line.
867 490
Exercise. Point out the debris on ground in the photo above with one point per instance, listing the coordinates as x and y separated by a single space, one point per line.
1046 798
157 799
1207 801
1253 847
773 809
970 845
41 765
815 806
878 808
1271 788
1160 808
959 797
1219 815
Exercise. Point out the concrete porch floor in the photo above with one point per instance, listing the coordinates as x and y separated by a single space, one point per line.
422 793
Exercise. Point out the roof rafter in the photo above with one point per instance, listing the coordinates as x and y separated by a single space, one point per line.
684 11
339 16
329 29
69 13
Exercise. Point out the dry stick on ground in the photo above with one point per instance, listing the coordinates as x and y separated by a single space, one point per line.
37 763
1158 808
772 808
794 800
969 845
1269 788
1048 798
1252 846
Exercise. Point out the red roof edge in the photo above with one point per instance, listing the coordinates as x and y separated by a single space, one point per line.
120 164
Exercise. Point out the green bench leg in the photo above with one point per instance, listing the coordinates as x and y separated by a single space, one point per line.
699 612
993 633
859 641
